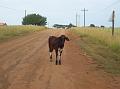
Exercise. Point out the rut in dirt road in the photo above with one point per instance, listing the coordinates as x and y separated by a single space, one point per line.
24 64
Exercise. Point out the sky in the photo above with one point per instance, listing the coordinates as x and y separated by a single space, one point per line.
61 11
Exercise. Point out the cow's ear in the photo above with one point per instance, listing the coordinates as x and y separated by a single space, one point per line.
67 39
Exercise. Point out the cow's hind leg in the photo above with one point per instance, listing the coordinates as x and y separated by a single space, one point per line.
60 62
50 53
50 56
60 52
56 56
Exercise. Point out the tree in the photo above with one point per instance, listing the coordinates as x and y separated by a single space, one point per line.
34 19
71 25
102 26
92 25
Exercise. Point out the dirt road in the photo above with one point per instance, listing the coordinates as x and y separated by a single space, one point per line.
24 64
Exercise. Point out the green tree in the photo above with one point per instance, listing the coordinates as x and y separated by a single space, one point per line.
92 25
70 25
34 19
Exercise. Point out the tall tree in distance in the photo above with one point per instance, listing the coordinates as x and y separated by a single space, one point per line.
34 19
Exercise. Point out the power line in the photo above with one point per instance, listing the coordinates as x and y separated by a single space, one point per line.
10 8
112 4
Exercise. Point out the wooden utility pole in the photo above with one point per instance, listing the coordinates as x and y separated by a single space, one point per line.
79 20
84 10
25 13
48 24
76 19
113 22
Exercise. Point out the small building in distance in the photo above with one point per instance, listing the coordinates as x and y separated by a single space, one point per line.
63 26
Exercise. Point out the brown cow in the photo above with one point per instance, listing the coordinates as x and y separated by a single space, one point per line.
57 44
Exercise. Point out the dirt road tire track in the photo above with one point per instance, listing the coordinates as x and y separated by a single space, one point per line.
24 64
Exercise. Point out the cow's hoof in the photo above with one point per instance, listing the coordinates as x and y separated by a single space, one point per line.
50 57
56 62
50 60
59 62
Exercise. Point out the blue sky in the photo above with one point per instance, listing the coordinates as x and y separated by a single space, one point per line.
61 11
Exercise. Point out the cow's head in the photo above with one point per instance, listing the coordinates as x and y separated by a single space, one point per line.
65 37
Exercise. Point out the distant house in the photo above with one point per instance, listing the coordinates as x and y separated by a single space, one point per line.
63 26
3 24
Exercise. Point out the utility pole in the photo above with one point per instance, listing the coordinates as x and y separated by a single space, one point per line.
79 20
76 19
25 13
84 10
48 24
113 20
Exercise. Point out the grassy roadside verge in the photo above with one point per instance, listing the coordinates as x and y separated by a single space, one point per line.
8 32
102 47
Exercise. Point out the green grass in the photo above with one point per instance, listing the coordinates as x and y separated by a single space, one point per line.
8 32
101 46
